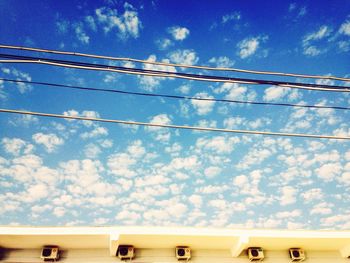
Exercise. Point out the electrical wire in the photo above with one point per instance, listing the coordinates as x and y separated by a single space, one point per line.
160 125
157 73
49 84
173 64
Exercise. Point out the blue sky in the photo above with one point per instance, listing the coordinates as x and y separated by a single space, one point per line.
60 172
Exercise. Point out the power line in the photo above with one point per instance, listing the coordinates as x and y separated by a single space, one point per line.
174 126
157 73
173 64
171 96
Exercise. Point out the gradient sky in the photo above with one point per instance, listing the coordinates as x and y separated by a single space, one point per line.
59 172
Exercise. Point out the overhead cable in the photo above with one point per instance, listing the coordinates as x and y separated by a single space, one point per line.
173 64
168 74
49 84
160 125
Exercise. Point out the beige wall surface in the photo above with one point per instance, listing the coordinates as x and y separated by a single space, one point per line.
166 255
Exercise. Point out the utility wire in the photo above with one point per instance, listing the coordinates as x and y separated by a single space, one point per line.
49 84
197 128
172 64
157 73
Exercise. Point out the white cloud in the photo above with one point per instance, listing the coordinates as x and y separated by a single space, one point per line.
179 33
80 33
236 92
309 48
129 217
328 171
249 46
159 119
240 181
120 164
22 87
275 93
150 83
50 141
164 43
288 195
127 24
185 56
196 200
344 46
91 22
62 26
91 151
312 194
218 144
323 32
337 220
136 149
24 120
161 134
212 171
59 211
229 17
312 51
203 107
345 28
321 209
289 214
16 145
186 163
96 132
222 62
184 89
72 112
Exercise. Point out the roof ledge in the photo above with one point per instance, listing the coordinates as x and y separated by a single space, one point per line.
237 249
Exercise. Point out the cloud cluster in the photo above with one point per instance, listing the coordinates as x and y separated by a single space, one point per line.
179 33
249 46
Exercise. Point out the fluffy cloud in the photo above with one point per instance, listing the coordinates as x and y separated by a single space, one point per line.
222 62
218 144
22 87
179 33
126 24
203 107
136 149
159 119
321 209
164 43
162 134
276 93
98 131
196 200
212 171
186 57
128 217
345 28
235 91
328 171
249 46
120 164
312 194
80 33
91 151
50 141
15 146
289 214
288 195
308 41
150 83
